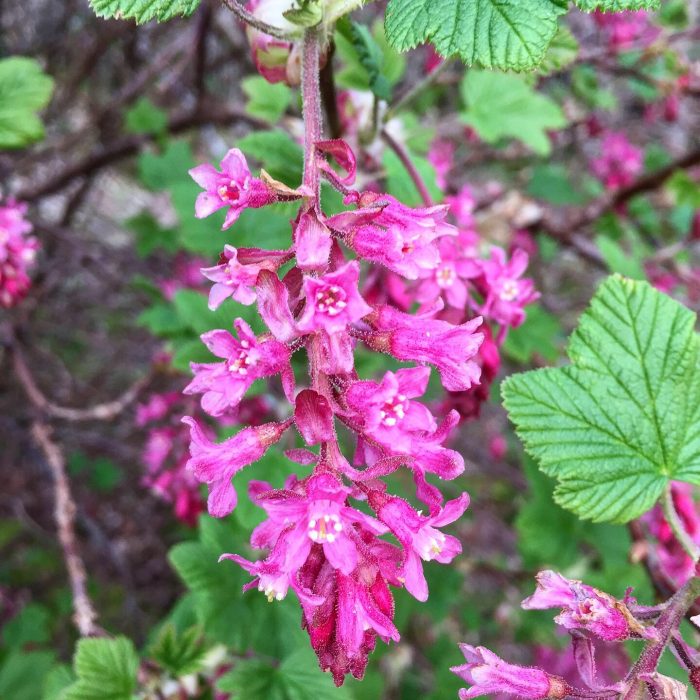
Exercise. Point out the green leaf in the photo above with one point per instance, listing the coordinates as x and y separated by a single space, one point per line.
505 34
162 321
145 118
266 101
684 189
106 670
586 86
22 675
242 621
150 235
620 260
502 105
57 681
180 654
399 182
623 420
298 677
551 182
537 336
31 624
144 10
159 171
547 534
307 13
277 152
617 5
370 57
562 52
24 90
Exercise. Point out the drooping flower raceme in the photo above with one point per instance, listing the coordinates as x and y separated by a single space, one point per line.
17 253
323 537
619 161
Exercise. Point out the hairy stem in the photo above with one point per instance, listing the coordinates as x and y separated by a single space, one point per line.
311 100
407 163
676 524
668 622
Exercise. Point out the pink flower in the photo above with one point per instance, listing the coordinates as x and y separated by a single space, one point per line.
399 237
441 157
232 187
223 384
391 425
355 609
271 55
17 253
490 675
626 28
420 537
447 347
620 161
313 416
673 561
215 464
387 413
320 515
272 576
164 456
156 408
448 278
611 663
506 293
312 242
462 207
232 279
333 301
583 607
432 59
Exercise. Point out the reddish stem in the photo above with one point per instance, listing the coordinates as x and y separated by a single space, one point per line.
311 100
668 622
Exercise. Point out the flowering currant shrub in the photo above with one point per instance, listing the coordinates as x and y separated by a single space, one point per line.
410 288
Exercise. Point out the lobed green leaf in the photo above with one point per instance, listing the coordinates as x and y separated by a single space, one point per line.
505 34
623 420
24 90
144 10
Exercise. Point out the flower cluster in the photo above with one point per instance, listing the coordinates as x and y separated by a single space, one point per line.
594 620
17 253
325 535
165 456
318 540
619 162
626 30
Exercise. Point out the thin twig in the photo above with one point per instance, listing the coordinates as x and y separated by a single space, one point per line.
415 90
566 226
103 411
85 615
676 524
409 166
668 622
131 145
249 18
